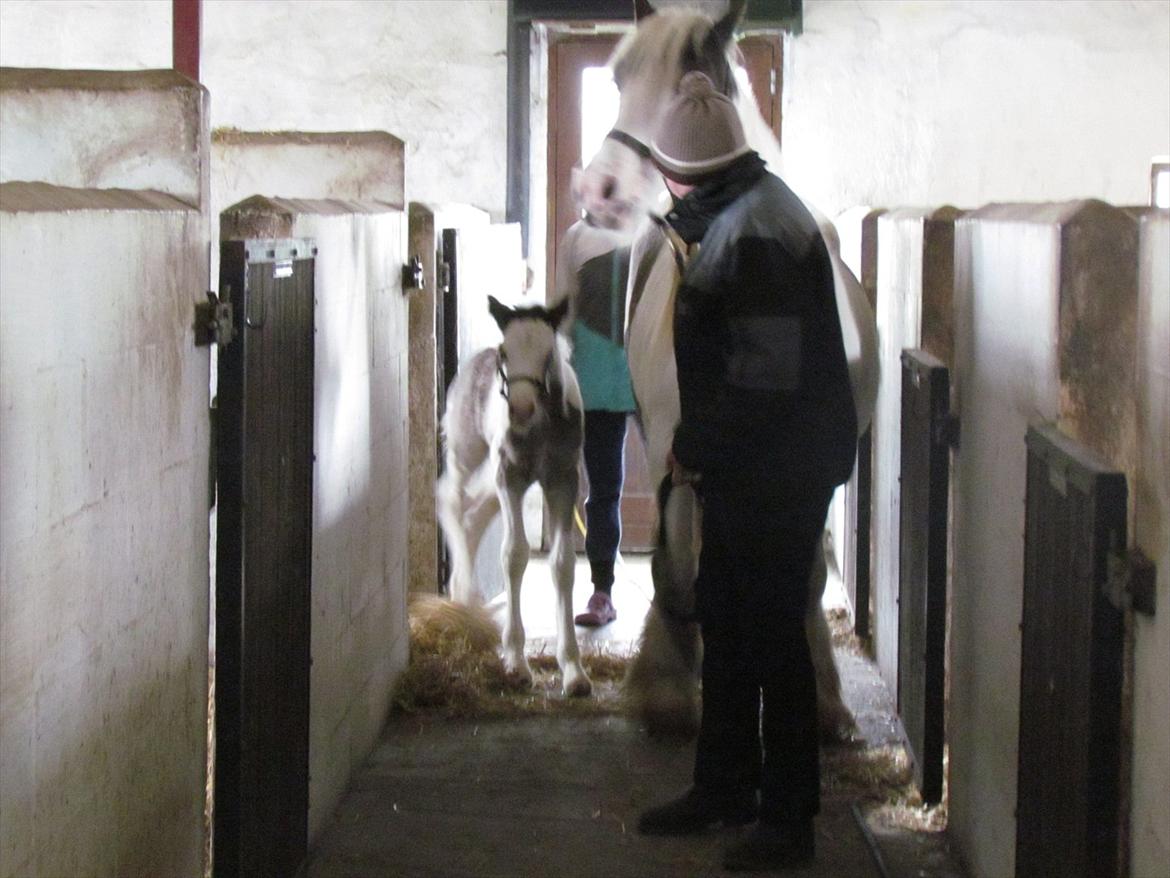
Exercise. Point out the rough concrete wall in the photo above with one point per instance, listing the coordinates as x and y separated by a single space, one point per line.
360 493
976 101
1150 819
105 129
104 462
359 638
1021 274
103 534
350 165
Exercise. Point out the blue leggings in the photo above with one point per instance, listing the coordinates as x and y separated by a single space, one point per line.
605 437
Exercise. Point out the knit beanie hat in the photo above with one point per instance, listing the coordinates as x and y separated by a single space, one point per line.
700 132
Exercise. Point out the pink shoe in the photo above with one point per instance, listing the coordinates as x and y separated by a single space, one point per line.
599 611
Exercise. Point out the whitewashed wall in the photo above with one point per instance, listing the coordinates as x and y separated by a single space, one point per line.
360 641
1150 832
432 72
886 102
892 103
104 444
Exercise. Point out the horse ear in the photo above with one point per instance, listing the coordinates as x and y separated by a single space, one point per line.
724 29
502 313
642 9
557 314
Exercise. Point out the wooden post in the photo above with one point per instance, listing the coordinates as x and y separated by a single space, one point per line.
186 30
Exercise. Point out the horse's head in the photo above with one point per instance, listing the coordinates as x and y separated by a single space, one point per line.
528 360
620 183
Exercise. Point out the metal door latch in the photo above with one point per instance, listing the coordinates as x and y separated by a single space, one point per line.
412 275
213 320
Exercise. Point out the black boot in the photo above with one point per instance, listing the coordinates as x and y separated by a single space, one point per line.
699 809
772 846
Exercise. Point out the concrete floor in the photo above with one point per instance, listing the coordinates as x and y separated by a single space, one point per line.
559 795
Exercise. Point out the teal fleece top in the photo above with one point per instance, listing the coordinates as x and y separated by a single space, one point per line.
593 273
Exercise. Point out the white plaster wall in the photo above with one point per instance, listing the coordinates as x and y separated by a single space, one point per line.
901 237
103 130
86 34
360 492
1007 267
103 536
432 72
894 102
886 102
1151 532
350 165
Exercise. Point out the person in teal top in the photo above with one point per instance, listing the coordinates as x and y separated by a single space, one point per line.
592 273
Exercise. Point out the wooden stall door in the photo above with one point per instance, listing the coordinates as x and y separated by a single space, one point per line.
1069 811
265 480
922 605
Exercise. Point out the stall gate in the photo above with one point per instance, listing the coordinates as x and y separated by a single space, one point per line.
265 525
1068 810
928 432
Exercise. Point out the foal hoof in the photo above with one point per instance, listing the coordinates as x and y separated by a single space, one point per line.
579 687
519 677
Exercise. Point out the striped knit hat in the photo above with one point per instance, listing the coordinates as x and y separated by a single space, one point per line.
700 132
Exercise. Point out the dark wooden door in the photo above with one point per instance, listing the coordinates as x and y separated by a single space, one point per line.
569 58
922 603
1069 811
264 447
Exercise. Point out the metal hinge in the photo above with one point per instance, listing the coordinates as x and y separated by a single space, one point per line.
1132 579
213 320
412 275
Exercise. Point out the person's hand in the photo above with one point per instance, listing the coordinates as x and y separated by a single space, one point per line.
679 474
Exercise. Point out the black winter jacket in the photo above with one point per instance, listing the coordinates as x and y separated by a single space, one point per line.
763 381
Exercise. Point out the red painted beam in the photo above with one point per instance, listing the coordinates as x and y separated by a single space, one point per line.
186 20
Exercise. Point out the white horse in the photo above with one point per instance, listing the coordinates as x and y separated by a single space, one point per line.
618 189
514 418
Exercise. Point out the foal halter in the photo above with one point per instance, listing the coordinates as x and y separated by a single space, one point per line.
506 380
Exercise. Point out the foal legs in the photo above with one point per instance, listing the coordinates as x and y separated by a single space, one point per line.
465 509
560 499
514 557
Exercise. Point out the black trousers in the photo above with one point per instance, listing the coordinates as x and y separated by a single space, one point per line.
605 439
751 596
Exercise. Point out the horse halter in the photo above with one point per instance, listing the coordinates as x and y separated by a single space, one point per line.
630 142
506 380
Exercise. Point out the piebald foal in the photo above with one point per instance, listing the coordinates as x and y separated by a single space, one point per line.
514 418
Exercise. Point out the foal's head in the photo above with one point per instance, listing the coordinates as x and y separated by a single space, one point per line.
619 184
528 361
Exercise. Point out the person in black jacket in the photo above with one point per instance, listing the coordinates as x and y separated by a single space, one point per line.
768 429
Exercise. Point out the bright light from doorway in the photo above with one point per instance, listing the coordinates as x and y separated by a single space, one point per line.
599 110
1160 181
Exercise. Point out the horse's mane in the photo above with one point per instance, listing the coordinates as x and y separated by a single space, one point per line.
666 35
